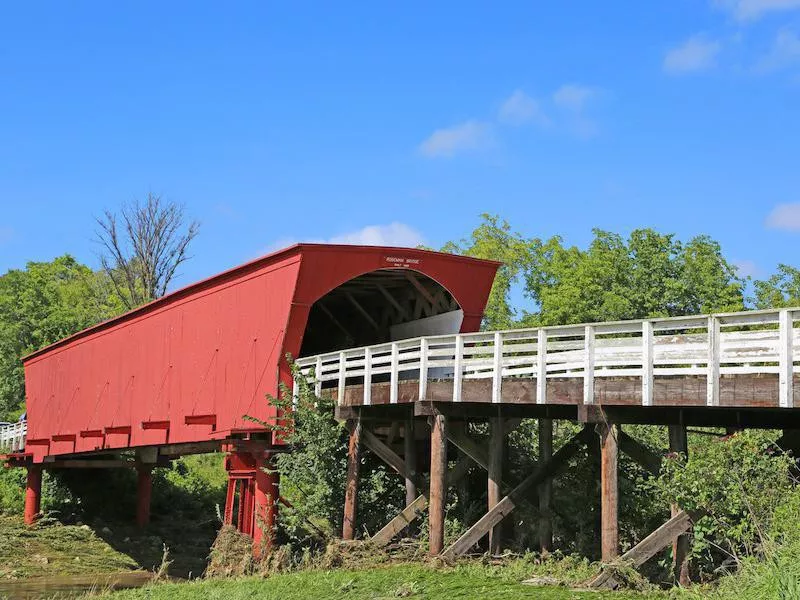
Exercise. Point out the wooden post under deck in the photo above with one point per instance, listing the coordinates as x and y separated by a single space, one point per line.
438 491
495 476
410 458
546 488
351 489
609 491
144 491
680 547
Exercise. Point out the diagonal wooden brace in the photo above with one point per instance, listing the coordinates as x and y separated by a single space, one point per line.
418 507
647 548
390 457
640 453
543 471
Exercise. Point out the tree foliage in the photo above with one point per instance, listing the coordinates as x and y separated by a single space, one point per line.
779 290
143 248
39 305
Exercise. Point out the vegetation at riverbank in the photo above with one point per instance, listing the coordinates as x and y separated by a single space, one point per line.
432 582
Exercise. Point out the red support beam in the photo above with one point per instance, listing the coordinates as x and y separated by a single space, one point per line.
267 494
33 494
144 491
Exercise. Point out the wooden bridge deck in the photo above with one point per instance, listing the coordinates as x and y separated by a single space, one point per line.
745 360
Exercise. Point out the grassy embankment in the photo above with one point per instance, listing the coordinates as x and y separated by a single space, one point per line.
397 581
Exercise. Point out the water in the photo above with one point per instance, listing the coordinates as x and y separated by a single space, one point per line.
69 586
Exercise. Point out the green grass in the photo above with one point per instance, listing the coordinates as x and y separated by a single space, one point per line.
55 549
400 581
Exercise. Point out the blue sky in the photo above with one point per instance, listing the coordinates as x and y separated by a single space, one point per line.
401 122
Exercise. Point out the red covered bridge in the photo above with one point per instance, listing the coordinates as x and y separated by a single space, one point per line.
179 375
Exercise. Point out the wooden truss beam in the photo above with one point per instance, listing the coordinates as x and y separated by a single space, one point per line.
503 508
363 311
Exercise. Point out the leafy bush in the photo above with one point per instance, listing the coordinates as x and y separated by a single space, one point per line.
738 483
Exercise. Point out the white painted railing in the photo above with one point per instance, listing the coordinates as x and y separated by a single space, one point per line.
12 437
712 345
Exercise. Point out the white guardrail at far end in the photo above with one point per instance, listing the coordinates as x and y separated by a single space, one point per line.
12 436
751 342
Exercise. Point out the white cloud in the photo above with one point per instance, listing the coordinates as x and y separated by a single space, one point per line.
573 96
393 234
746 268
785 217
468 136
785 51
695 54
749 10
520 108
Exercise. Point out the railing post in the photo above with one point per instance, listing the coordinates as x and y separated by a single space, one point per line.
342 377
318 377
497 365
541 367
367 377
588 365
712 378
394 373
458 369
423 369
786 359
647 363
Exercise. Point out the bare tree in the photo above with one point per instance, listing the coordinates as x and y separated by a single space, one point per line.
143 247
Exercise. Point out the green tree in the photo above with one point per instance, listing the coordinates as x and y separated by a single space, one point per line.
648 275
782 289
39 305
493 239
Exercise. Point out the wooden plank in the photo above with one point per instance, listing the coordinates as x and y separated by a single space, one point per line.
416 507
421 288
388 456
394 374
410 457
609 491
546 487
541 367
362 311
494 478
423 369
458 369
497 368
402 311
588 365
712 376
438 487
342 383
640 453
785 360
367 377
503 508
351 487
647 548
678 443
647 363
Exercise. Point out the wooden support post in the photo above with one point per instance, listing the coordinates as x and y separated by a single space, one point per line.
680 547
503 508
609 491
495 476
351 489
144 491
410 458
546 487
33 494
438 490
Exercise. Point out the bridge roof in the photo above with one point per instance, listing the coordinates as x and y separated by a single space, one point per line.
239 271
